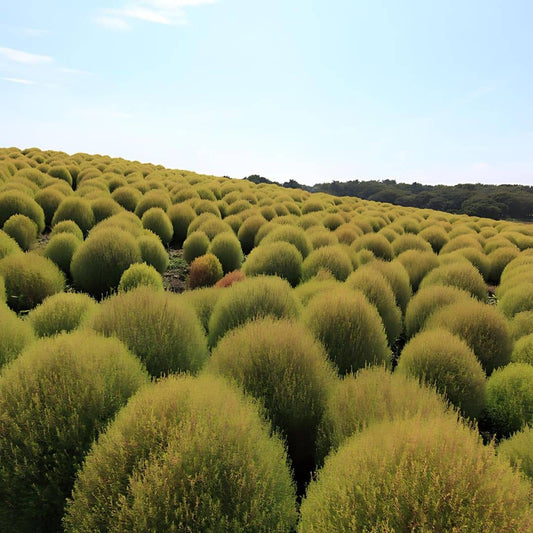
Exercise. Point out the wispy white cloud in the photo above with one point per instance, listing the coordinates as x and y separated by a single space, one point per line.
20 81
24 57
166 12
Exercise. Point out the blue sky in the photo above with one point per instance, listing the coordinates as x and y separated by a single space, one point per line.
428 91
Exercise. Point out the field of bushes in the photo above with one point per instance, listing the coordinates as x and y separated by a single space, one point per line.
181 352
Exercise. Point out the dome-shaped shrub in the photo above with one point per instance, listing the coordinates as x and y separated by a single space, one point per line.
140 275
180 215
16 202
320 237
498 260
332 258
523 349
443 360
227 248
252 298
205 271
153 198
292 234
128 197
29 279
8 245
67 226
157 326
321 283
409 241
517 299
417 264
350 328
379 293
49 200
15 334
55 398
153 252
76 209
279 363
60 313
518 449
510 398
521 324
230 278
275 259
185 454
373 394
105 207
22 229
157 221
436 236
61 248
248 231
99 262
376 243
195 245
398 278
416 475
61 172
462 275
203 302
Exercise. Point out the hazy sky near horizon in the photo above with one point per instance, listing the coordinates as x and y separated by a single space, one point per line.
417 90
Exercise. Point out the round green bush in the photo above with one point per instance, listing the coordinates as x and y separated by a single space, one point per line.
153 198
498 260
483 328
29 279
185 455
205 271
518 450
417 264
61 172
67 226
291 234
349 327
427 301
409 241
250 299
140 275
210 224
443 360
517 299
8 245
279 363
158 327
195 245
462 275
275 259
203 302
15 334
60 249
128 197
376 243
49 200
373 394
153 252
227 248
510 398
416 475
22 229
248 231
61 313
523 349
157 221
76 209
521 324
55 399
321 283
16 202
98 263
105 207
331 258
379 293
180 215
398 278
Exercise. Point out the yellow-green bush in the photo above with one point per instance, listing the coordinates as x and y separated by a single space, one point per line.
153 252
128 197
227 248
60 249
291 234
459 242
61 172
67 226
61 313
518 449
248 230
15 203
55 399
436 236
23 229
76 209
373 394
162 330
252 298
275 259
417 475
376 243
15 334
98 263
523 349
398 278
350 328
29 279
379 293
195 245
185 454
445 361
279 363
521 324
205 271
157 221
510 398
180 215
8 245
417 264
332 258
409 241
140 275
498 260
105 207
49 200
153 198
517 299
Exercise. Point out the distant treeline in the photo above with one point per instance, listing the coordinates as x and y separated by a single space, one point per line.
491 201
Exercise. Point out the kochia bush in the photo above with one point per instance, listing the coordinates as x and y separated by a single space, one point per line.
15 334
185 454
22 229
518 449
153 252
195 245
16 202
205 271
157 221
227 248
76 209
60 249
8 245
332 258
55 398
140 275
